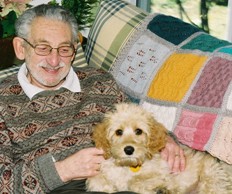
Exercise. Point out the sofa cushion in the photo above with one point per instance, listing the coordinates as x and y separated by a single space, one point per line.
113 25
173 69
9 71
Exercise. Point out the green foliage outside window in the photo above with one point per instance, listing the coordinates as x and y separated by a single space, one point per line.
83 10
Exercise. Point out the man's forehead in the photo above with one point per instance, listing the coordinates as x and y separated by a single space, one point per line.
50 30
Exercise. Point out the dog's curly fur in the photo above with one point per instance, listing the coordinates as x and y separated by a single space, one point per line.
131 137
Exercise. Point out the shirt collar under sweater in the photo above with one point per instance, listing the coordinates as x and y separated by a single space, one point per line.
71 82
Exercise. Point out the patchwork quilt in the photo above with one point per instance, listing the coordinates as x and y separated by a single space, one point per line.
184 77
176 71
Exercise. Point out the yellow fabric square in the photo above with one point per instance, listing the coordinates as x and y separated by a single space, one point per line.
175 77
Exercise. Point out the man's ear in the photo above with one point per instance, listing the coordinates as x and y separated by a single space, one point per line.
19 48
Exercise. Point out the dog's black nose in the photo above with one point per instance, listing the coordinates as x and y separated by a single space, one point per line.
129 150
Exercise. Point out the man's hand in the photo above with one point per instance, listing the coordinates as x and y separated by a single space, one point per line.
83 164
174 155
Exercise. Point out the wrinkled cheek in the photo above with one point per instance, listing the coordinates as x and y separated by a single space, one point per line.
28 56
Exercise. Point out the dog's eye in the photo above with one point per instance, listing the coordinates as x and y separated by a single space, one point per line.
119 132
138 131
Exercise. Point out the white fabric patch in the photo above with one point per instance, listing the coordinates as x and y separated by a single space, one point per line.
165 115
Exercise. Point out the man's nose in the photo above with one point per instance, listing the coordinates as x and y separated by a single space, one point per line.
54 57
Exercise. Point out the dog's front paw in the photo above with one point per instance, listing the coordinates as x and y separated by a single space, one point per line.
161 190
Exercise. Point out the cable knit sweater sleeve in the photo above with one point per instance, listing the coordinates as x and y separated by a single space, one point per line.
52 124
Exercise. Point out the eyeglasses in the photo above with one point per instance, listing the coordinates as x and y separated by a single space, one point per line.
44 49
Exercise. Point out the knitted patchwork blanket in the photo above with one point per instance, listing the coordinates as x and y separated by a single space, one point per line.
183 76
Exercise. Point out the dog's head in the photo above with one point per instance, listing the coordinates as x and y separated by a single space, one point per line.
130 135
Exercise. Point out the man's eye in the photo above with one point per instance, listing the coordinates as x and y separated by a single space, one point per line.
119 132
43 47
65 49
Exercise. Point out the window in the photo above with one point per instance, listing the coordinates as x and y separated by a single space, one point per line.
214 16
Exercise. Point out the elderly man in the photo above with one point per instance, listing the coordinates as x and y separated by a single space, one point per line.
49 108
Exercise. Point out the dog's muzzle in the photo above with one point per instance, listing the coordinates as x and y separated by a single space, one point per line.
130 158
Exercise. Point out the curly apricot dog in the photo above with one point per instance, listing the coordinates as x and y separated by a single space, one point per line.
132 140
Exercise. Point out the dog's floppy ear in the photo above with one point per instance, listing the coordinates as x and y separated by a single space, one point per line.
158 136
100 137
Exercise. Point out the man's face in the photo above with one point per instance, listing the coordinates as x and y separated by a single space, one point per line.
48 72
